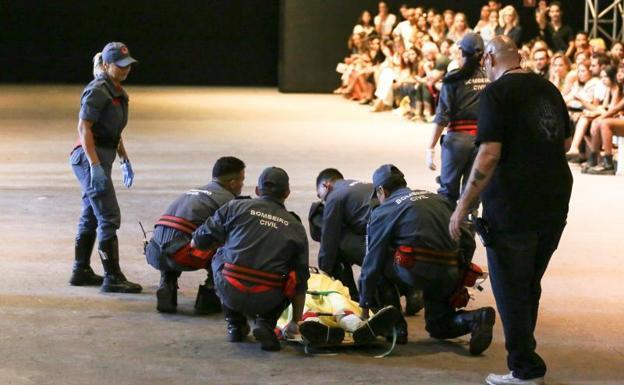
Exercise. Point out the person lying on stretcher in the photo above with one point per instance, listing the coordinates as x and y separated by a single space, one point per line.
329 313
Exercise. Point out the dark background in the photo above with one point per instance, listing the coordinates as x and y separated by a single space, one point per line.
293 43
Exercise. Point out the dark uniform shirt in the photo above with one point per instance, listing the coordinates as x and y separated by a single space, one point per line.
195 206
459 100
347 206
531 186
106 106
407 217
259 234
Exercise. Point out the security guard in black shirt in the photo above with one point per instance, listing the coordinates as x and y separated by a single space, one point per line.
263 264
408 242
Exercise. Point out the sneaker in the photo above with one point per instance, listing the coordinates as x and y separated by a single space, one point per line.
318 334
509 379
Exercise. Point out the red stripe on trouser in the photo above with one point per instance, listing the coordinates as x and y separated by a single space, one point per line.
258 273
247 289
176 226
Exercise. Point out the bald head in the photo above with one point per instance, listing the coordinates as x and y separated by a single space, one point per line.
501 55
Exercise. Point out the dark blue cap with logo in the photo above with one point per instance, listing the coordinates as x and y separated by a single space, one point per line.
384 174
471 43
273 179
118 54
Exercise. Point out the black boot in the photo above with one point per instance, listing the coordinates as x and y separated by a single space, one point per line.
167 293
606 168
82 274
207 301
237 327
388 295
264 332
480 322
414 302
114 280
379 324
592 161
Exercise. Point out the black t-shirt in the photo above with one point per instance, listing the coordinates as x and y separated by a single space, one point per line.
559 40
531 186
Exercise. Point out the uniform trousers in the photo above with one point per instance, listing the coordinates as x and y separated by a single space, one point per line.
100 211
458 154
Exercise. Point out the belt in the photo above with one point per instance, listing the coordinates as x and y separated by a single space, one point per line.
468 126
261 281
177 223
406 256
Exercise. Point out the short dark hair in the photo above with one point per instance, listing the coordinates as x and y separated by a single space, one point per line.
329 174
271 191
227 166
394 183
603 59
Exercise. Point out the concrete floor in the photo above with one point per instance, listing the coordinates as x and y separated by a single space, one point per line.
51 333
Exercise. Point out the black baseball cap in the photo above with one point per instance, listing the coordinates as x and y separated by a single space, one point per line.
384 174
273 178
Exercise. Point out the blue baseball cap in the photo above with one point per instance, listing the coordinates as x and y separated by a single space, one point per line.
273 178
118 53
384 174
471 43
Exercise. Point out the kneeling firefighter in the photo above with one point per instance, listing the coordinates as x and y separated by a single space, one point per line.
169 249
262 264
409 243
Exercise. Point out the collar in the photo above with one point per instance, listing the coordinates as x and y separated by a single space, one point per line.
217 186
268 198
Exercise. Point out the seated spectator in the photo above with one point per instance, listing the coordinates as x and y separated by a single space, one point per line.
387 74
384 21
580 57
405 29
365 24
431 71
438 29
489 31
460 27
581 44
421 24
541 63
559 68
484 19
431 12
449 19
582 93
598 46
604 127
495 5
406 81
403 10
617 52
510 25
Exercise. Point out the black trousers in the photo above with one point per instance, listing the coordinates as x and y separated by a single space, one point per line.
517 261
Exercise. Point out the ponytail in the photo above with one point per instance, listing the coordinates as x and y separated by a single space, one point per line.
470 67
98 65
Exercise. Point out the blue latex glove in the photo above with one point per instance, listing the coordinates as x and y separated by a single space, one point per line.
128 174
98 178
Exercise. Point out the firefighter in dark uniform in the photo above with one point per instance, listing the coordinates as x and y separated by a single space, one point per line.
457 112
169 251
103 116
262 265
338 222
408 242
345 213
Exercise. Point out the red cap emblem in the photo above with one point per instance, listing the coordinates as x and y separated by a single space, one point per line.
124 50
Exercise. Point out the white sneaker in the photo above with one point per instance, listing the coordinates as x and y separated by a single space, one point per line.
509 379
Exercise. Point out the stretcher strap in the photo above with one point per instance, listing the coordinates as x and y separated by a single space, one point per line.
177 223
394 340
